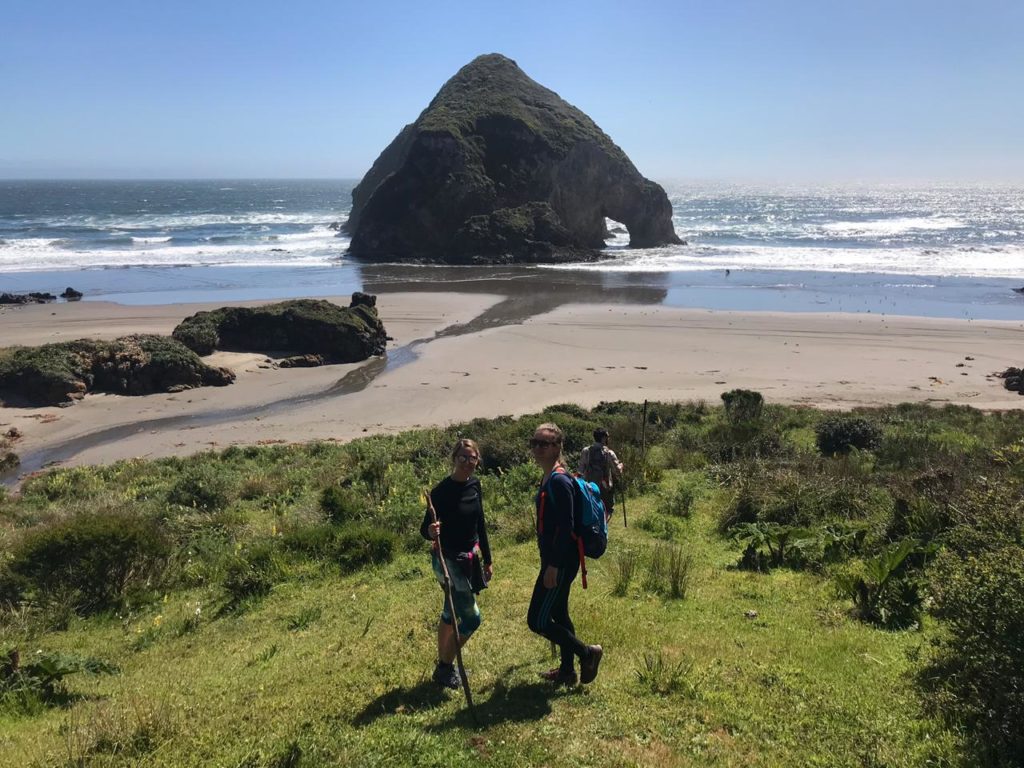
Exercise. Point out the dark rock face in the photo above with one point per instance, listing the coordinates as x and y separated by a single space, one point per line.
70 294
59 374
499 168
26 298
1013 379
306 327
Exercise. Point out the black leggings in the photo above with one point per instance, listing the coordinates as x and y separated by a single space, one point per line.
549 615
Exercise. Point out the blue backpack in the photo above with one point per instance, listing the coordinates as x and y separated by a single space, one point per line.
590 527
591 524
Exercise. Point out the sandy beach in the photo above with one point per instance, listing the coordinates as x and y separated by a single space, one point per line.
454 358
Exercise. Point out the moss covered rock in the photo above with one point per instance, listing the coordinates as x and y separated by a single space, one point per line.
307 327
59 374
499 168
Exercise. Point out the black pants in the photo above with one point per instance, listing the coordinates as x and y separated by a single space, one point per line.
608 499
549 614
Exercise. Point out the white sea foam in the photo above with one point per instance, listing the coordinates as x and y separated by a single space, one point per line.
150 240
315 248
1006 262
172 222
891 227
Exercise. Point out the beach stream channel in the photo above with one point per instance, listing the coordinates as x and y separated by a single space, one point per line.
524 296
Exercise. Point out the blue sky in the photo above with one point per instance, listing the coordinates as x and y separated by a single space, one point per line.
732 90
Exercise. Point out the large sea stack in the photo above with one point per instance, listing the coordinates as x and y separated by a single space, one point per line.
499 169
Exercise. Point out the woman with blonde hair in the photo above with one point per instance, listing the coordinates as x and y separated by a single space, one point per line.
458 501
548 614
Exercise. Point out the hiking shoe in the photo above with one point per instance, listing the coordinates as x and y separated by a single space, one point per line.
558 676
589 665
447 676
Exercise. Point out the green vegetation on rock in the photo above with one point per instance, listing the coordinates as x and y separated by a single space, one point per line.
58 374
301 326
499 168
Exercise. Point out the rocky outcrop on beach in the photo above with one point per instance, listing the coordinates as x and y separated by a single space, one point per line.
59 374
26 298
1013 379
310 329
500 169
70 294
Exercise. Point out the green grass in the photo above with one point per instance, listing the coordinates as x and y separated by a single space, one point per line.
325 666
802 684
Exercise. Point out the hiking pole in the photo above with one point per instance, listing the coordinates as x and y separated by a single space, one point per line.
625 524
451 607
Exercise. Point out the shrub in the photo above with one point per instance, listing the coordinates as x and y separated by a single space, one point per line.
64 484
359 545
976 677
743 405
883 590
313 540
641 473
27 683
678 498
341 505
660 526
252 574
680 572
625 567
508 500
837 435
97 560
669 571
769 545
201 487
664 678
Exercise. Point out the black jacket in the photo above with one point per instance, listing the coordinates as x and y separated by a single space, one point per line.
460 508
554 502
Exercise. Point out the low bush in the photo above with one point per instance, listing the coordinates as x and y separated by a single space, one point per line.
341 505
623 570
96 561
28 684
743 405
665 678
678 498
884 588
360 545
508 502
839 434
201 486
252 574
976 675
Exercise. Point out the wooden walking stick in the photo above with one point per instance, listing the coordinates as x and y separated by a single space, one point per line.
625 524
451 608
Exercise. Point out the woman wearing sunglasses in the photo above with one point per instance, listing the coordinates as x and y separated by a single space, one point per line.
559 562
458 501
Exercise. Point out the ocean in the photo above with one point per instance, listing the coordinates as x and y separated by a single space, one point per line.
949 251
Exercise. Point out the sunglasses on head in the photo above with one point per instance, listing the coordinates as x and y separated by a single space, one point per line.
535 443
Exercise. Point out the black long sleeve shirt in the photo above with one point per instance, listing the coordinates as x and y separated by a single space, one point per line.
555 512
460 509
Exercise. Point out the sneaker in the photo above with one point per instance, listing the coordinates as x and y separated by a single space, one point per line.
559 677
589 665
446 676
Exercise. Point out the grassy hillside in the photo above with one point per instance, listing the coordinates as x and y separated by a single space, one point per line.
274 606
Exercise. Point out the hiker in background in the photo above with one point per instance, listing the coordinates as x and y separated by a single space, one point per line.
548 614
459 504
599 464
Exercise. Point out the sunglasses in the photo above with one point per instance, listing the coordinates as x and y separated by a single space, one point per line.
535 443
464 459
